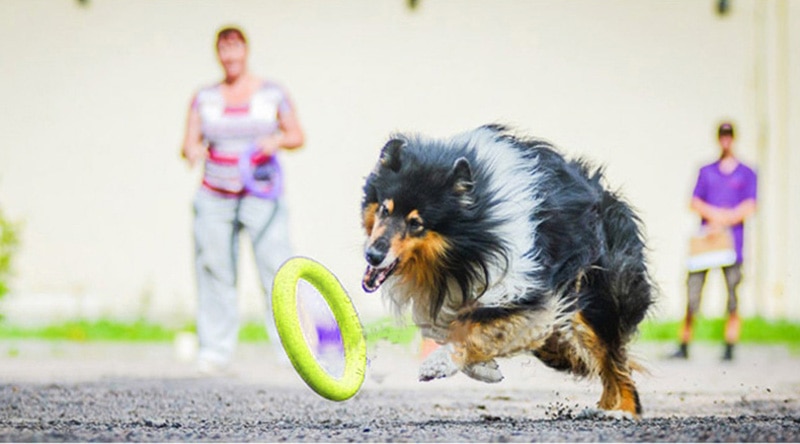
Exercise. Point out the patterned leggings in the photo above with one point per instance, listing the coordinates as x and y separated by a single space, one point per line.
694 283
696 280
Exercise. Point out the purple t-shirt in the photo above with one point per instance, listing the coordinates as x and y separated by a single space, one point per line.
727 191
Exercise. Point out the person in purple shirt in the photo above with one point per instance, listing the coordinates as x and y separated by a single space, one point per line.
724 196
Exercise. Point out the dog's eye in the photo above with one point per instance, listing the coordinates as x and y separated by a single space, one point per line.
383 211
415 225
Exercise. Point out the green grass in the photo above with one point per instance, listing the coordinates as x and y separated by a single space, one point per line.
84 330
251 332
754 330
108 330
389 330
143 331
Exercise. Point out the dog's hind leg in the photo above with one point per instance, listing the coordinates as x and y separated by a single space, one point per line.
611 364
481 334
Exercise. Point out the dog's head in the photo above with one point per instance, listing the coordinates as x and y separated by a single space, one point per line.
410 205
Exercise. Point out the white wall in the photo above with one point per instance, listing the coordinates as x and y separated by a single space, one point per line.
94 102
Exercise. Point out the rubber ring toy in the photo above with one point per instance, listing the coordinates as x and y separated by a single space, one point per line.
284 309
265 189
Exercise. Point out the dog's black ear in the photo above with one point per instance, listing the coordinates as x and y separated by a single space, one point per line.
462 180
390 154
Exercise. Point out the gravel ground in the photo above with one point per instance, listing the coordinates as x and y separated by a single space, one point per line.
69 392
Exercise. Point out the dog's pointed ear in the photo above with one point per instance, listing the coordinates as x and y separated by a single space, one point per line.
390 154
462 180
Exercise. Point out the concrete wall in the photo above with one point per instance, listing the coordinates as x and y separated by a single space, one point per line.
94 101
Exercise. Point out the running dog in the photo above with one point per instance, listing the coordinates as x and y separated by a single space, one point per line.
502 246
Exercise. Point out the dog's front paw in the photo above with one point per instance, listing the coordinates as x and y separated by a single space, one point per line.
439 364
488 371
600 414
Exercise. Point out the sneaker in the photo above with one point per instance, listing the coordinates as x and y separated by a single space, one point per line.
728 355
207 367
681 353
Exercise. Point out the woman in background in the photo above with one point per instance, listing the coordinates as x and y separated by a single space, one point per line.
226 120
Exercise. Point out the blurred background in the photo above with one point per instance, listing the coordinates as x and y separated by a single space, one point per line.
95 95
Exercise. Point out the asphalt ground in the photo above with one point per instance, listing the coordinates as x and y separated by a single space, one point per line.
145 393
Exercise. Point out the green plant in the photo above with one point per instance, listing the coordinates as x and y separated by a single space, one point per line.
9 242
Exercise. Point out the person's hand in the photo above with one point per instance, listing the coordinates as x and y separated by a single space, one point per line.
715 228
715 222
194 153
730 218
723 218
269 145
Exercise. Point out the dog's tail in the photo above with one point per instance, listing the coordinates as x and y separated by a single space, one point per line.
630 284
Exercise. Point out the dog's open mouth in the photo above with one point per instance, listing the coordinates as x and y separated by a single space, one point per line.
374 277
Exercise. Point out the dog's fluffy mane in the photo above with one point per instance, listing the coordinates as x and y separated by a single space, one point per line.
478 226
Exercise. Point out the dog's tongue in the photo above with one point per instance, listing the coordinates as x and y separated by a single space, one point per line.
372 279
370 283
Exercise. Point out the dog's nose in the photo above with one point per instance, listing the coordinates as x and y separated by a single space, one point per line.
375 256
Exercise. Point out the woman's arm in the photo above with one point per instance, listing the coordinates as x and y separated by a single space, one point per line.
289 137
193 149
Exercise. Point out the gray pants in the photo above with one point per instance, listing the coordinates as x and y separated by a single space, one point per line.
217 223
696 280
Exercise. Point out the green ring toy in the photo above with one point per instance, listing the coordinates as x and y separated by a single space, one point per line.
284 309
